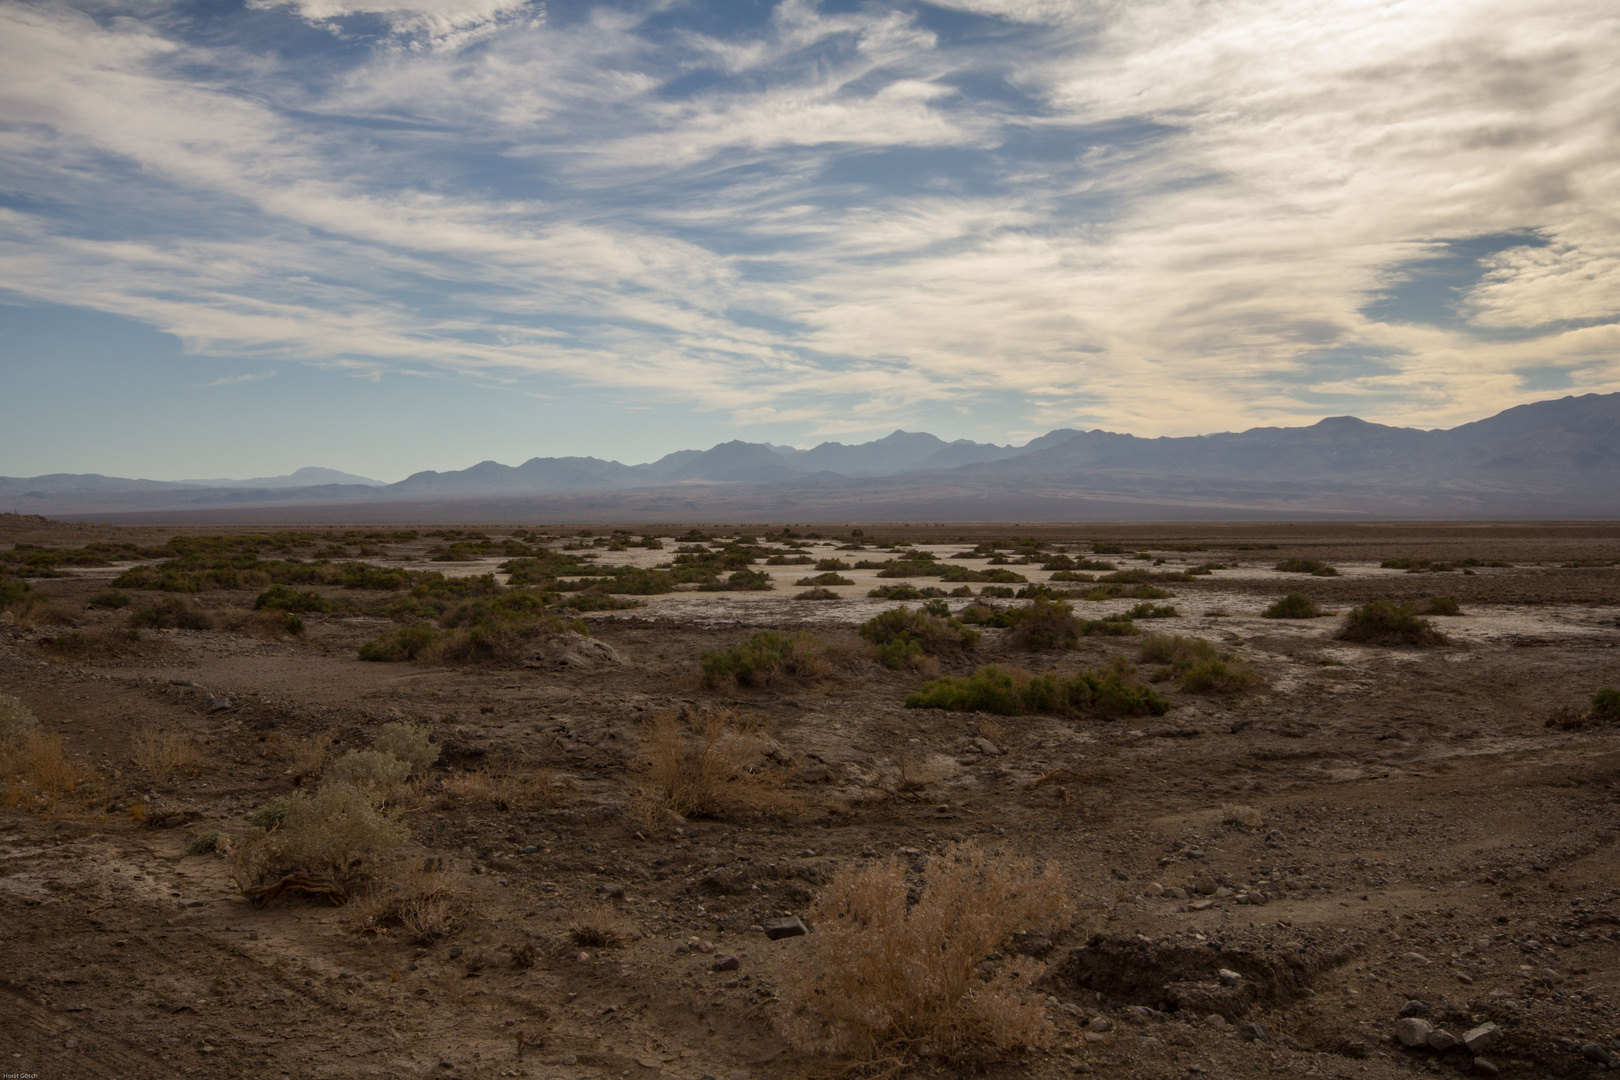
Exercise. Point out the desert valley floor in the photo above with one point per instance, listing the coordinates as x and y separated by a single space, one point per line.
1259 880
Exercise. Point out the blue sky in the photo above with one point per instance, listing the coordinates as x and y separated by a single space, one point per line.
386 235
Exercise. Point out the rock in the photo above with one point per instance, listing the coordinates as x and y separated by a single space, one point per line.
791 926
1213 1020
1102 1023
1443 1040
986 747
1413 1008
1200 905
1175 892
1206 886
1257 897
616 892
1486 1067
456 951
1254 1033
1482 1037
1413 1031
1228 977
727 963
1139 1013
1602 1055
1153 888
1223 892
1416 958
219 704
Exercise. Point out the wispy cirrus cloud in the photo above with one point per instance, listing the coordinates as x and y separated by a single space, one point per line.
1160 216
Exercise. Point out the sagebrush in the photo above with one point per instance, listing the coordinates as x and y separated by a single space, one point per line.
706 763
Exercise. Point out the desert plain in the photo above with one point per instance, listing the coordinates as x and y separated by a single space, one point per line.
1259 878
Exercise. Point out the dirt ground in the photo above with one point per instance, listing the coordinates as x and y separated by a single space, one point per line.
1377 825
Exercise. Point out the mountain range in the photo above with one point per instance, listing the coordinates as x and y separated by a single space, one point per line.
1556 458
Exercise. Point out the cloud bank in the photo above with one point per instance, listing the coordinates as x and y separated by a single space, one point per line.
1165 216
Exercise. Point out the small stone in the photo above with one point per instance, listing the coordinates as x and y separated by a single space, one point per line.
1206 886
1482 1037
1228 977
219 705
791 926
1416 958
1486 1067
1214 1020
1139 1013
1413 1031
456 952
1175 892
570 1059
1200 905
987 747
1254 1033
1413 1008
1153 888
614 891
1102 1023
1600 1054
727 963
1223 892
1443 1040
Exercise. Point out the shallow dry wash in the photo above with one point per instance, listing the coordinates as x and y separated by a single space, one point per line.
1372 825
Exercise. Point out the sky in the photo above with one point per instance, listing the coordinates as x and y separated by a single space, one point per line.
245 236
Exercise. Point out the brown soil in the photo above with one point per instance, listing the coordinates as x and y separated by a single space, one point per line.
1423 833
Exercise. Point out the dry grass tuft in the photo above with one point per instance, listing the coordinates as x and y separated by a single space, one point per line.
162 754
410 743
423 906
1244 816
500 790
378 774
706 763
310 757
335 834
885 981
600 927
37 775
32 609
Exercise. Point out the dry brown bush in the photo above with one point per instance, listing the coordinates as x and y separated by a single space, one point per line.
500 790
37 775
16 720
162 754
422 905
884 981
1245 816
706 763
379 775
411 743
335 834
310 757
32 609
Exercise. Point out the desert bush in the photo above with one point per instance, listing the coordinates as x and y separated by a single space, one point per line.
501 790
161 754
706 763
36 774
334 835
902 635
599 926
376 773
884 979
171 613
1314 567
497 641
832 564
1198 666
112 600
16 720
401 644
1440 605
824 579
1111 691
1045 625
1606 702
1604 711
423 906
1246 817
817 594
32 609
762 659
310 757
1383 622
1151 611
285 598
1293 606
411 743
741 581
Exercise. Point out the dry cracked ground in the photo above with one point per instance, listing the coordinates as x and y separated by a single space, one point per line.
1369 826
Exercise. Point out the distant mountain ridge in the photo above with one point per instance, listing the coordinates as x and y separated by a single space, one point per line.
1547 458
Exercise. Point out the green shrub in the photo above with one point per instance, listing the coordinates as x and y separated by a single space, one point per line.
171 612
996 591
1293 606
816 594
762 659
1045 625
1606 703
1382 622
904 592
205 844
331 834
1149 611
375 772
823 579
1114 691
902 633
832 564
1314 567
16 721
284 598
1198 666
271 814
113 600
742 581
1441 605
401 644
